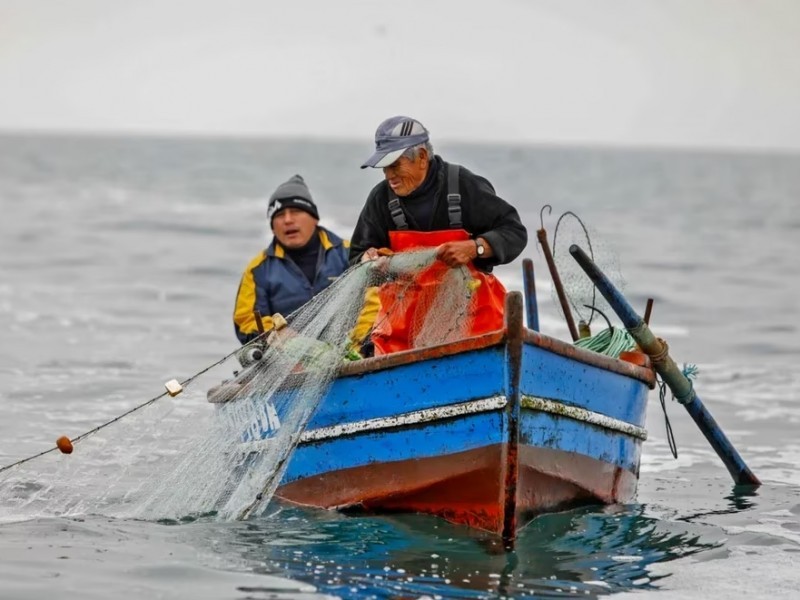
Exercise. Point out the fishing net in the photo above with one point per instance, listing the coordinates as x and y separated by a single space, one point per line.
226 459
580 292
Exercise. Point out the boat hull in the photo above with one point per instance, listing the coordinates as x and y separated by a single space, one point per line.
465 487
486 432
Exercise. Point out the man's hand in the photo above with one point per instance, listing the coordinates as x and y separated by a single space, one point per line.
369 254
278 337
456 254
375 253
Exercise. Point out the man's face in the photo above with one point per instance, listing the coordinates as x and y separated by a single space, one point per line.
405 175
293 227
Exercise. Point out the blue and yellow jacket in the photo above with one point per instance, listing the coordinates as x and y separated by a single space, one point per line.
273 283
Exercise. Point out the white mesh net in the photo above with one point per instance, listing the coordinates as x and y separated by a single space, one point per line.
181 457
579 290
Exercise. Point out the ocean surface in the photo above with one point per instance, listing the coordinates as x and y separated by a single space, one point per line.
119 263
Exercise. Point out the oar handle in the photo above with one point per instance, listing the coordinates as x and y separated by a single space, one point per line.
662 362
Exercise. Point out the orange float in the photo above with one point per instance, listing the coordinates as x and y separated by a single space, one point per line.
64 444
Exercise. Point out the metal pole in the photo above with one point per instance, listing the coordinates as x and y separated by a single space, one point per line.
674 378
531 307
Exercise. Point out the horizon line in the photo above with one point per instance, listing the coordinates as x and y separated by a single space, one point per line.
339 139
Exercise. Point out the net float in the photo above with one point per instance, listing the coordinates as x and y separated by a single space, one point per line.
64 444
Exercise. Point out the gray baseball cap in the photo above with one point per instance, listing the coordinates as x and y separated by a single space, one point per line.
393 137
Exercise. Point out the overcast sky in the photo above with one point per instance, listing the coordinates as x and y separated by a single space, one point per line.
712 73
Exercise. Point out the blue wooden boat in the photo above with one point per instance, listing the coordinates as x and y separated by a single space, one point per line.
486 431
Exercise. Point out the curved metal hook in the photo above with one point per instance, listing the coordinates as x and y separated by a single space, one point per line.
541 213
597 310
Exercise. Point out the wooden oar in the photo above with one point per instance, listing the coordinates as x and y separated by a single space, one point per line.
674 378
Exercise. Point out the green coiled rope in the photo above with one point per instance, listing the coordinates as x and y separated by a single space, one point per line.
610 342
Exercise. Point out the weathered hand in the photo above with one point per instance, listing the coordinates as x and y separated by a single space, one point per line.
375 253
277 337
369 254
456 254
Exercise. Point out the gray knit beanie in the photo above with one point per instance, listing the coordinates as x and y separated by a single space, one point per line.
295 194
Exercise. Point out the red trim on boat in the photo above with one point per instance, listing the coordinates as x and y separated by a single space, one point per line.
466 487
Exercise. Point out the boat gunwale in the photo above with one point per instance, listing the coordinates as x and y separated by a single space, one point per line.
497 338
490 339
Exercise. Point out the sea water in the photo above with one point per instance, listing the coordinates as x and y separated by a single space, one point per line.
119 263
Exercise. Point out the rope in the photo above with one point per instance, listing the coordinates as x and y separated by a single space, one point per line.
662 397
259 339
610 342
690 372
134 409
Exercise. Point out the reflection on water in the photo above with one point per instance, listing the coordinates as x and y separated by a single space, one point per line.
590 551
741 498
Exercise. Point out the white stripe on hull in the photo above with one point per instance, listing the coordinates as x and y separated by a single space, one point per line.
581 414
426 415
440 413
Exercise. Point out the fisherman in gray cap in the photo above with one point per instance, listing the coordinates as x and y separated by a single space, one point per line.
422 202
301 261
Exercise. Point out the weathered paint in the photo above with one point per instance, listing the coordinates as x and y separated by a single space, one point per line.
546 430
510 462
581 414
447 431
438 438
557 377
402 420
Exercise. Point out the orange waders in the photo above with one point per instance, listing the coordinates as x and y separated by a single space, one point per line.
404 303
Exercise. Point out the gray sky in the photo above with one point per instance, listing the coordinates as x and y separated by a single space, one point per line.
713 73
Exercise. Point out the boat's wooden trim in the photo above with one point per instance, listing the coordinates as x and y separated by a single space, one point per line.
576 413
510 454
494 338
416 417
644 374
377 363
451 411
225 392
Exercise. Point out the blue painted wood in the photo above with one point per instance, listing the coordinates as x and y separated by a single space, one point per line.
433 439
544 430
543 374
553 376
416 386
509 370
510 467
669 372
537 429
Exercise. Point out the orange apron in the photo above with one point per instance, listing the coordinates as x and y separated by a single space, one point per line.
402 302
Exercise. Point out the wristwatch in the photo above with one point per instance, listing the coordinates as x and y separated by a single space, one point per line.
480 248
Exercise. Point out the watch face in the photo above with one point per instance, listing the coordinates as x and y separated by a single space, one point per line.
481 249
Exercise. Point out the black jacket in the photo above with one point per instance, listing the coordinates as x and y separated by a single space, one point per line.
484 214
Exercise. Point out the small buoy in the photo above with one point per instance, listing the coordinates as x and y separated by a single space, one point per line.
173 387
64 444
637 358
278 321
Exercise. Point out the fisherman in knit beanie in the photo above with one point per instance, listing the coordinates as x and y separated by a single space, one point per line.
302 259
